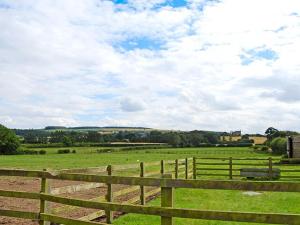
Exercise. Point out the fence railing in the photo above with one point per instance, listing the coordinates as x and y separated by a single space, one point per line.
230 167
166 211
180 168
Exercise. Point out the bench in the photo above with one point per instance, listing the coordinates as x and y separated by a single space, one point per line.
252 173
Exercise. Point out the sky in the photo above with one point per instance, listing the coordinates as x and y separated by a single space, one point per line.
171 64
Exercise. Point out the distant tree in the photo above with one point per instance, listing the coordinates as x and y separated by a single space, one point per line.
67 141
272 132
9 142
278 145
57 136
174 139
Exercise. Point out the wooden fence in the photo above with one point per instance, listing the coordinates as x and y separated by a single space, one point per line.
206 167
179 168
166 211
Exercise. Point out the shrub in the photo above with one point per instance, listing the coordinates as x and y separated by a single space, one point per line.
42 152
29 152
278 145
74 151
264 148
9 142
63 151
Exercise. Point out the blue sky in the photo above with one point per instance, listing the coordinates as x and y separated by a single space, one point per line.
155 63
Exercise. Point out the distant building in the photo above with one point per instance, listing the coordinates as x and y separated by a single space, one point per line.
237 136
236 133
258 140
232 136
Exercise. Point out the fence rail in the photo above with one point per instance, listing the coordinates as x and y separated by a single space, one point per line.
166 211
180 168
204 166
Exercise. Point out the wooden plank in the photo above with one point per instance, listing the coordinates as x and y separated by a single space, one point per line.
109 197
211 158
166 201
176 169
221 169
230 168
93 216
213 164
75 188
19 194
162 167
135 199
142 188
179 183
66 221
19 214
44 206
211 174
186 169
194 168
272 218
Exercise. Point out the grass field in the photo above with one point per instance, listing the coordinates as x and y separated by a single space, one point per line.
88 157
184 198
267 202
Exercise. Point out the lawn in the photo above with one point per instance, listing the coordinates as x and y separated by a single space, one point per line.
88 157
184 198
268 202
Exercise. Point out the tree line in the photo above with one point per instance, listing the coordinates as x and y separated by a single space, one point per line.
68 138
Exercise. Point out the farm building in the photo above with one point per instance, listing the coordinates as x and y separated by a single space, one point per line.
258 140
293 147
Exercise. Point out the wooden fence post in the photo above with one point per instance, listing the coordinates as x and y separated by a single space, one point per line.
176 169
230 168
186 168
166 201
194 168
142 174
162 167
109 197
270 168
45 189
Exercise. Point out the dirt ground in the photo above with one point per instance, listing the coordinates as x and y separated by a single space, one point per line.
33 185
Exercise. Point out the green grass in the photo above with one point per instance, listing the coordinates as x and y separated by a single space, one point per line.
268 202
184 198
87 157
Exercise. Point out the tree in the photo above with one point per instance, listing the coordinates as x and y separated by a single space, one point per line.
272 132
278 145
67 141
9 142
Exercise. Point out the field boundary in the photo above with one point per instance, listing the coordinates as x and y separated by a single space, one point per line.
166 184
207 166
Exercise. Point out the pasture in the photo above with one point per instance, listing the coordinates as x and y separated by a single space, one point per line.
88 157
223 200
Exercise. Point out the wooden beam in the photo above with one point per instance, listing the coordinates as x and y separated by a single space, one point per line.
277 186
272 218
19 214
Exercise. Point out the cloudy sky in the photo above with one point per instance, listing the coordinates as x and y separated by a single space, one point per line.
170 64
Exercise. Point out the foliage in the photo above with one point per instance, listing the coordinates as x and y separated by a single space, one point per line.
9 142
42 152
67 141
278 145
63 151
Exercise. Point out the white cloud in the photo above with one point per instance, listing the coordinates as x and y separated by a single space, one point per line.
61 64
